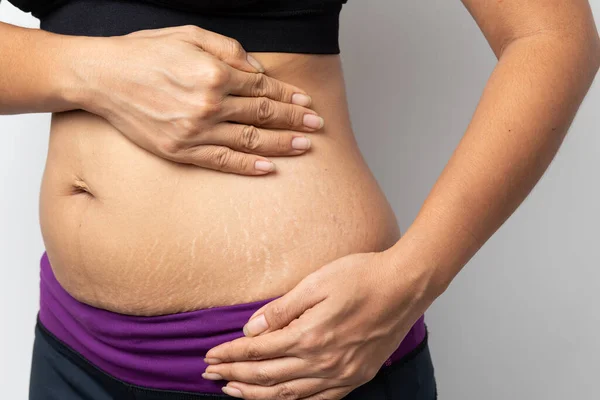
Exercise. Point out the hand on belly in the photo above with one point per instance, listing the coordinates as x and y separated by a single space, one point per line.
330 334
194 97
134 233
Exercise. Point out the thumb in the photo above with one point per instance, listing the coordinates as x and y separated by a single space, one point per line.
280 312
226 49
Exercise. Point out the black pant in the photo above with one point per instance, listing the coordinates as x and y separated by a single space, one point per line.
59 373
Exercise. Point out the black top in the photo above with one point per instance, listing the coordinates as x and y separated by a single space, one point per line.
292 26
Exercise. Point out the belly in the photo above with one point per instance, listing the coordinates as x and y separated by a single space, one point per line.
133 233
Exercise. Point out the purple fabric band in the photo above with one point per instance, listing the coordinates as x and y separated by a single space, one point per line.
161 352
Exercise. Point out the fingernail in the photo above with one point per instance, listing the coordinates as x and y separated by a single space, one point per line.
313 121
212 376
266 166
300 143
232 391
254 62
301 99
256 326
212 361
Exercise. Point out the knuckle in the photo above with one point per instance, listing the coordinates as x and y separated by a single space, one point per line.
182 33
186 128
315 340
265 110
329 363
358 373
250 138
216 75
140 33
293 117
308 342
222 157
260 85
189 29
206 111
170 146
264 378
285 392
283 142
370 373
244 163
235 48
349 374
282 92
253 352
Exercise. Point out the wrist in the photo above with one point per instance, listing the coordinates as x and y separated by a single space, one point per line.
411 259
77 73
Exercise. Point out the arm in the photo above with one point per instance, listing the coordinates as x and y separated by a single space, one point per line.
548 54
33 71
341 322
218 114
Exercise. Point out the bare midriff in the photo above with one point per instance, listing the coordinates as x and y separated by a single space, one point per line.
133 233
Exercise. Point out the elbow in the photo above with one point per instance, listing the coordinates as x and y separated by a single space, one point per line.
596 54
590 47
587 44
581 50
580 45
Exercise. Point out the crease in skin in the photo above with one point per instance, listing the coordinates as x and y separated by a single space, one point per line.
193 249
161 238
192 261
130 257
246 233
149 253
151 271
228 238
80 186
267 265
83 268
238 222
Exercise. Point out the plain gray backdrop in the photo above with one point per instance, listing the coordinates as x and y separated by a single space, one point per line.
519 322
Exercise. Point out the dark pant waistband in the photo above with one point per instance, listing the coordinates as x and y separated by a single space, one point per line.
127 347
60 373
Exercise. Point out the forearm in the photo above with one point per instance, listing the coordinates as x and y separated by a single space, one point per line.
524 113
35 71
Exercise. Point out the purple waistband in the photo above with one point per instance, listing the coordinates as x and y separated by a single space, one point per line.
162 352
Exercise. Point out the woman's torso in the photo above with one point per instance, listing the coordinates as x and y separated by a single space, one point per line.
133 233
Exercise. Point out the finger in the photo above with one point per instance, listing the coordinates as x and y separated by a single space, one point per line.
263 373
259 85
224 48
295 389
282 311
262 111
253 140
275 344
220 158
259 311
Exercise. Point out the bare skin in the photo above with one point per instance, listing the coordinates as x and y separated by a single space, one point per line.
134 233
326 214
137 213
328 335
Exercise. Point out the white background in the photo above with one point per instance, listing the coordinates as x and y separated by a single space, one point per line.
520 322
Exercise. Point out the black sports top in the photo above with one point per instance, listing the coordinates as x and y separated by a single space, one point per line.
291 26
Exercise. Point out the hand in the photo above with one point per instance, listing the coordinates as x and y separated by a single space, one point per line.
193 96
327 336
